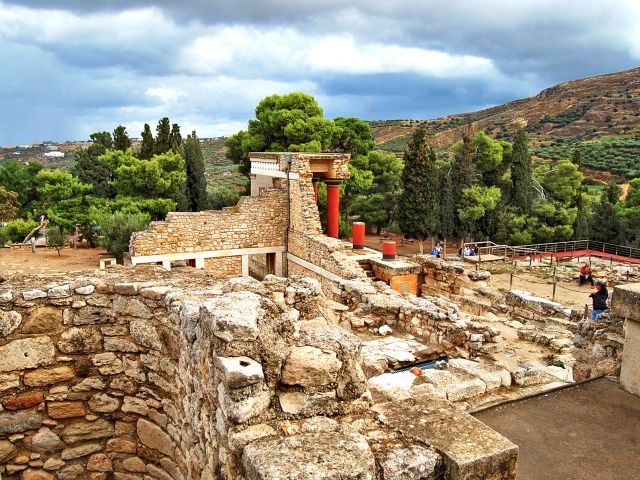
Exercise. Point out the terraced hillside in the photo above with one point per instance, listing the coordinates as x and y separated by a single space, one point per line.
599 115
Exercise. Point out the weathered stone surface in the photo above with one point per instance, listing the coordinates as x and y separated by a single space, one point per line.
60 291
85 430
93 315
26 400
469 448
53 464
145 334
6 297
239 439
131 306
134 464
26 353
9 322
300 403
43 441
43 320
86 290
492 375
456 384
103 403
48 376
154 293
99 463
157 472
135 405
32 474
108 363
239 372
91 383
410 463
233 317
80 340
310 366
154 437
243 410
16 422
81 451
478 275
65 409
343 455
29 295
7 451
125 288
121 445
120 345
70 472
9 381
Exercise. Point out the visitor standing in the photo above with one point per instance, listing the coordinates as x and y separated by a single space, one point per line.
586 275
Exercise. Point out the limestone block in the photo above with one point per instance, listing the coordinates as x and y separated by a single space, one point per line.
240 411
93 315
80 430
99 462
7 451
29 295
6 297
145 334
411 463
86 290
300 403
310 366
134 464
120 345
625 301
630 369
131 306
154 437
48 376
27 400
457 385
80 340
21 421
9 322
239 372
34 474
81 451
343 455
65 409
53 464
26 353
492 375
103 403
239 439
43 320
233 317
60 291
43 441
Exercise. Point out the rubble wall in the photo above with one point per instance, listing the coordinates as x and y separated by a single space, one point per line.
147 381
254 222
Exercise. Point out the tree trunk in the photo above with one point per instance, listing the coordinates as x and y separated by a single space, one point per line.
421 245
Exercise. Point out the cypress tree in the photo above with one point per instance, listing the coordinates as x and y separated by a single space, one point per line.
581 224
121 140
196 189
462 177
446 207
605 222
163 134
175 139
521 173
147 147
418 204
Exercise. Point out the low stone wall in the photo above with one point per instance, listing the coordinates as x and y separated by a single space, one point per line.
101 379
440 277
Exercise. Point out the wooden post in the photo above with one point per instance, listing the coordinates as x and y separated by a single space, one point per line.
611 262
553 297
627 276
511 281
586 311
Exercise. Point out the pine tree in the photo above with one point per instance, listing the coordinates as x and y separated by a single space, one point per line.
175 139
446 207
521 173
605 222
196 189
418 204
121 140
147 147
163 133
462 177
576 157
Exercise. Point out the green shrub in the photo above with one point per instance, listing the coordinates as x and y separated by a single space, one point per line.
56 238
221 197
116 230
19 229
4 236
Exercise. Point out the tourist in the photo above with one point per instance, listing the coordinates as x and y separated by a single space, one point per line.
599 297
467 251
476 250
438 250
586 275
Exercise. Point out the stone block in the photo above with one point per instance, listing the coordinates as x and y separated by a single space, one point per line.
26 353
233 317
9 322
48 376
456 384
80 430
80 451
29 295
26 400
154 437
238 372
310 366
630 369
65 409
80 340
18 422
43 441
43 320
145 334
131 306
239 411
625 301
492 375
410 463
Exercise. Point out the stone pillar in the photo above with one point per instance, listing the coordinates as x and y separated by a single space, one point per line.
279 271
625 303
200 263
333 207
314 182
166 264
245 265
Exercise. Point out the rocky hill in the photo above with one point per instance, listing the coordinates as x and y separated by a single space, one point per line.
569 115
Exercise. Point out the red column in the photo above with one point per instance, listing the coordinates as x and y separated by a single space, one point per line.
357 230
333 207
315 190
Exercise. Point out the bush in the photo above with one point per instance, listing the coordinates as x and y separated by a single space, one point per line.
4 236
19 229
116 230
56 238
221 197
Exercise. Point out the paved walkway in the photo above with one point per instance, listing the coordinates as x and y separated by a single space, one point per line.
590 432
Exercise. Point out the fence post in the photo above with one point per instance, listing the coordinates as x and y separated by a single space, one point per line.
511 281
611 262
627 276
586 311
553 297
530 260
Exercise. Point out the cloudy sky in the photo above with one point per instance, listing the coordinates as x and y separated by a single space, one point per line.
71 67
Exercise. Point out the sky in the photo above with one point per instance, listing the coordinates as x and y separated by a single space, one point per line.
72 67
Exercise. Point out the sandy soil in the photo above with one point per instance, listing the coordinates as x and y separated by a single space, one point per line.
48 261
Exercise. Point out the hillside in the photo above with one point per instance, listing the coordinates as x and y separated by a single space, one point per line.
598 115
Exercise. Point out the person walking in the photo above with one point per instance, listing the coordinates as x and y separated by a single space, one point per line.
586 275
599 297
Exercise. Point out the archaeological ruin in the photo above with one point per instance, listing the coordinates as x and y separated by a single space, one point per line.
246 344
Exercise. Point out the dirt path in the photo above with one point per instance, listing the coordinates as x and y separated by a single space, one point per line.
48 261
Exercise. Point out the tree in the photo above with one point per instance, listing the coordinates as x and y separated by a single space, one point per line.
9 205
487 158
196 190
418 204
63 198
446 207
386 169
292 122
147 147
89 170
374 209
56 237
613 193
576 157
561 181
19 178
581 225
234 152
605 222
462 176
175 139
352 135
121 140
633 194
221 197
116 230
163 136
521 173
477 203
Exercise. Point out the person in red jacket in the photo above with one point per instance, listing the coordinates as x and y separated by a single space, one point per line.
586 274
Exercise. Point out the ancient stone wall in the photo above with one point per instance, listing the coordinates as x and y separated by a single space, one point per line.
254 222
148 381
440 277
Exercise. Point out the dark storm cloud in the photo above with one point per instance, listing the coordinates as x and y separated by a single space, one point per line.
74 66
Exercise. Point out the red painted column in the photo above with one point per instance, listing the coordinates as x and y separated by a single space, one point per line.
357 230
333 207
315 190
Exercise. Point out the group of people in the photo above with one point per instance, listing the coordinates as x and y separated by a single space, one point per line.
468 251
437 250
600 296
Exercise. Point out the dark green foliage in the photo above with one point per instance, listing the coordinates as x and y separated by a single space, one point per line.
121 140
162 143
576 157
446 207
88 169
19 178
462 177
581 229
565 118
418 204
521 174
196 186
235 152
613 192
116 230
18 229
147 147
605 223
56 237
374 209
175 139
352 135
223 197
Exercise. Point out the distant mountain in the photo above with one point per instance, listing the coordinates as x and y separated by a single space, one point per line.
600 116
